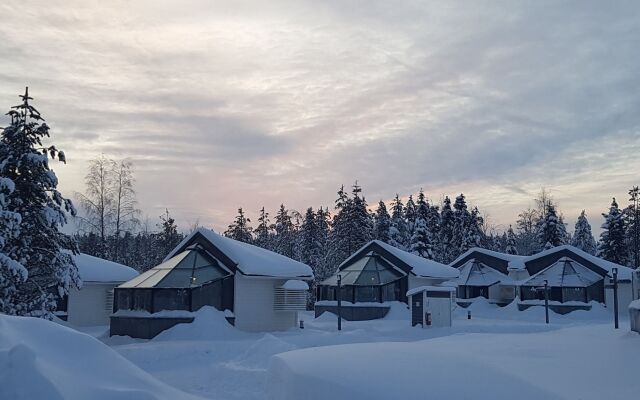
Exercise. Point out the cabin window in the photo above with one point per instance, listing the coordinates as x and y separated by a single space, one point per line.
367 293
171 299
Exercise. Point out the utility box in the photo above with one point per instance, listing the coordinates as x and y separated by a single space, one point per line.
431 306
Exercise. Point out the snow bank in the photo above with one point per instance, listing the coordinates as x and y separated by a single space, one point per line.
259 351
208 324
413 370
43 360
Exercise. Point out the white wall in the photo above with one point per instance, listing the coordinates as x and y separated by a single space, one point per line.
624 298
253 305
88 306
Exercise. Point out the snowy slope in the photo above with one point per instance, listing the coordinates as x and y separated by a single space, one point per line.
250 259
43 360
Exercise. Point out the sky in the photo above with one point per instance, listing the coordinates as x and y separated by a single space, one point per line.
221 104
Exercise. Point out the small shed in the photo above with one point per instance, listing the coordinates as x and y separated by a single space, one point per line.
634 315
431 305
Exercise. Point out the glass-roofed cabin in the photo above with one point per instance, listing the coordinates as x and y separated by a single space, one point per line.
188 281
258 290
374 275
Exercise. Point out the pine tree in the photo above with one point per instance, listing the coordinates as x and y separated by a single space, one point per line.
323 270
612 245
30 194
510 247
168 237
12 272
382 223
632 222
582 237
551 230
398 232
263 234
284 239
421 239
410 215
240 230
446 245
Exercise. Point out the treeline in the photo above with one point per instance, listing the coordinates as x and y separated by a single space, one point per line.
323 238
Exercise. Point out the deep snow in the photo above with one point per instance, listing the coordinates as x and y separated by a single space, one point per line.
499 353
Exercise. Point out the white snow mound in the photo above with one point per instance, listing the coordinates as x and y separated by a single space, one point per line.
208 324
43 360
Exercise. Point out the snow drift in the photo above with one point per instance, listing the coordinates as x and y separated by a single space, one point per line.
43 360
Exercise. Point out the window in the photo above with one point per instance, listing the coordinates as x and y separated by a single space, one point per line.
171 299
574 294
123 300
367 293
142 299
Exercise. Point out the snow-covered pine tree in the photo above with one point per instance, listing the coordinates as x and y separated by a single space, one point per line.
31 194
632 223
612 246
12 273
551 230
398 233
361 231
263 235
284 239
323 219
472 234
462 222
382 223
410 217
239 229
582 236
420 243
510 247
446 249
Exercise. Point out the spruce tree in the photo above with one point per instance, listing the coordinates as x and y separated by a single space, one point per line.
30 194
551 230
612 245
168 237
421 238
510 247
323 226
398 231
410 215
263 234
382 223
446 244
632 222
240 230
284 239
582 236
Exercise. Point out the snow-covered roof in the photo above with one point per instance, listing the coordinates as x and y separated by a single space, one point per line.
515 262
623 272
94 269
431 289
475 273
420 266
565 273
295 284
250 259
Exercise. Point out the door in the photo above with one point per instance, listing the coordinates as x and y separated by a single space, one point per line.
417 308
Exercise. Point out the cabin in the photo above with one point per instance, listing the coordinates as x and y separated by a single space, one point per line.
488 274
375 275
431 306
92 304
574 279
257 289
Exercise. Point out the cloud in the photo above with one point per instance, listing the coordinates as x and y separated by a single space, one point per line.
223 104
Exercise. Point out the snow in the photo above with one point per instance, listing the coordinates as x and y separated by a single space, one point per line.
634 305
40 359
623 272
294 284
516 262
250 259
431 289
94 269
420 265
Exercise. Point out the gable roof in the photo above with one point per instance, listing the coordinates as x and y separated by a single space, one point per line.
475 273
243 257
499 261
565 272
409 263
544 259
94 269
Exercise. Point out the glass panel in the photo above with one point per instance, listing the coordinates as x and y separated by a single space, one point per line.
172 262
357 266
573 294
203 261
367 294
177 299
207 295
142 299
349 278
390 292
123 300
368 278
207 274
388 275
176 278
187 262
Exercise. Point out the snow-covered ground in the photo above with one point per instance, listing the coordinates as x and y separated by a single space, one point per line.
498 354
